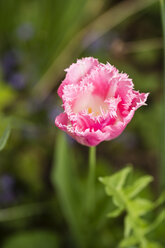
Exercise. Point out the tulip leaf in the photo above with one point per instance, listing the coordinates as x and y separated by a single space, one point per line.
67 189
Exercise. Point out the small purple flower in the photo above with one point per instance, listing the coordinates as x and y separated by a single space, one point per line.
10 61
6 189
18 81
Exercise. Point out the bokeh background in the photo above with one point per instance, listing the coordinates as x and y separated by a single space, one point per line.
38 40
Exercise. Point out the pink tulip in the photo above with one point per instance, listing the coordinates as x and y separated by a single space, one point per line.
98 102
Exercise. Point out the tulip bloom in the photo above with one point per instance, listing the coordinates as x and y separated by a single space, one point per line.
98 102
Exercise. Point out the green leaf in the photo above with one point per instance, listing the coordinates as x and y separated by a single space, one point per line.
138 186
118 201
114 185
116 195
118 179
157 222
4 137
67 187
160 200
32 239
153 245
125 198
128 242
7 95
115 213
141 206
22 211
127 226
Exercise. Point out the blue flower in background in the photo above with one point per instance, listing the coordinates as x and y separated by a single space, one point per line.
7 194
18 80
11 62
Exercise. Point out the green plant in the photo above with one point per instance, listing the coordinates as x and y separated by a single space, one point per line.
125 197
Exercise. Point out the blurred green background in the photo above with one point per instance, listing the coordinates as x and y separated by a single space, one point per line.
38 40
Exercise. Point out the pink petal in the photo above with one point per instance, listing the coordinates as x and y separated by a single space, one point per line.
77 71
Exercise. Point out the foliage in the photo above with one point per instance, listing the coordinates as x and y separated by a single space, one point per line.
4 136
38 40
125 198
32 239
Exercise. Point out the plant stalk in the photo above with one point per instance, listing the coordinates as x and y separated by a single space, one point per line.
162 165
91 180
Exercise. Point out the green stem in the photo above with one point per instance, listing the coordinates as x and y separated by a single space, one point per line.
91 180
162 167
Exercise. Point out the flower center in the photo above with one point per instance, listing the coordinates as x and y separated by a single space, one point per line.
89 110
92 104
